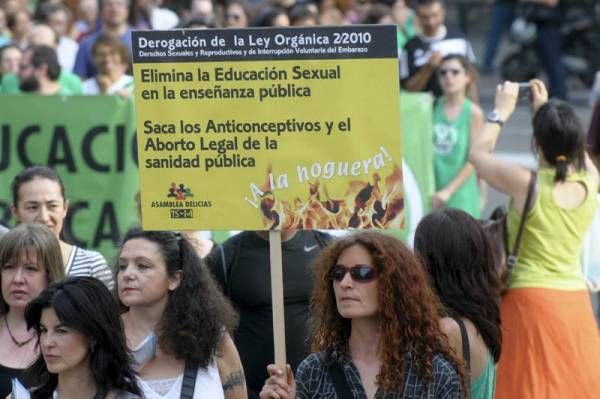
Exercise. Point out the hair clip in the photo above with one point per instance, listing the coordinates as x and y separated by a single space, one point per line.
561 158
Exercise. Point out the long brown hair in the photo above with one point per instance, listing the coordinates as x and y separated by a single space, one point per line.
408 311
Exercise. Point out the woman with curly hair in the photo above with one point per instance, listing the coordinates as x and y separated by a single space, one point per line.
377 333
176 319
459 260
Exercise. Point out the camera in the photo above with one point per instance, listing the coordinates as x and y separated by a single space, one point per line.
525 91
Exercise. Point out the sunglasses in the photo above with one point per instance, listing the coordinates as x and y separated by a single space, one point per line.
452 71
358 273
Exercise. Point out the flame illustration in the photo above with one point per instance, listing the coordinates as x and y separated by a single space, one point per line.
364 205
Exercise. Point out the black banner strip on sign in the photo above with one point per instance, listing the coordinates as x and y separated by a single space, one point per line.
298 43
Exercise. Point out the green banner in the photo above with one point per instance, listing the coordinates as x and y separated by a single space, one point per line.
90 142
416 113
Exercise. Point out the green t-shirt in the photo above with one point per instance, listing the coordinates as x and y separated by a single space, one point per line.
451 142
69 84
406 32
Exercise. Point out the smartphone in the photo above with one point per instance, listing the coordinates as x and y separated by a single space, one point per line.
525 91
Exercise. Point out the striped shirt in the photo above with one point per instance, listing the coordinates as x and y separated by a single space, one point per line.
83 262
314 381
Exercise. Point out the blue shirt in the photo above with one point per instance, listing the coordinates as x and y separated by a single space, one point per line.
84 65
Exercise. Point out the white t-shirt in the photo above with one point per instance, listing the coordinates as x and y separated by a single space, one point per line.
163 18
66 50
90 86
208 385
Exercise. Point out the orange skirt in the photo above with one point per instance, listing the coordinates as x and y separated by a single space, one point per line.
550 346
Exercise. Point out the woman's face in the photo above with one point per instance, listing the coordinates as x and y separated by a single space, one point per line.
64 349
355 299
23 278
108 60
142 279
235 16
453 77
40 200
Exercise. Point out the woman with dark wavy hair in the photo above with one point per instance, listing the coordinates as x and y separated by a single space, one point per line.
177 319
84 354
459 260
377 331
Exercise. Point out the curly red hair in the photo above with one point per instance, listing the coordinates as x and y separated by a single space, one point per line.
408 311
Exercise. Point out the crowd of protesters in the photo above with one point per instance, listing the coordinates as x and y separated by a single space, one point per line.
70 62
366 316
384 321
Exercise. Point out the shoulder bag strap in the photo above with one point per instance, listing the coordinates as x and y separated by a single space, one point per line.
512 258
71 259
342 390
227 268
465 343
189 381
234 262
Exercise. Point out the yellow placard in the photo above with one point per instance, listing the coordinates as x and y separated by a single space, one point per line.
298 140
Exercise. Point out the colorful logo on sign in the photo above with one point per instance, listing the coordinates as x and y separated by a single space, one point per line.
179 192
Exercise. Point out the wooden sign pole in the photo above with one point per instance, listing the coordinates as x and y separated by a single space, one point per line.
277 297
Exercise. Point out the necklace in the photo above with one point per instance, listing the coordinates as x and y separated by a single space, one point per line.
19 344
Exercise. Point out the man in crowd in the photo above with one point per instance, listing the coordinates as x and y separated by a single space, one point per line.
114 15
549 42
423 53
58 17
39 71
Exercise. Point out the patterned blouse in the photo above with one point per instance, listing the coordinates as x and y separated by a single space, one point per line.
314 381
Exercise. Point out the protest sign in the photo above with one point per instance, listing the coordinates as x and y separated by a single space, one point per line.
90 142
269 129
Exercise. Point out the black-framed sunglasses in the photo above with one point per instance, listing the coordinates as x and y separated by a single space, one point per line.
447 71
358 273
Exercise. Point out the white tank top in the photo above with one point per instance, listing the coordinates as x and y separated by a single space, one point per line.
208 385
